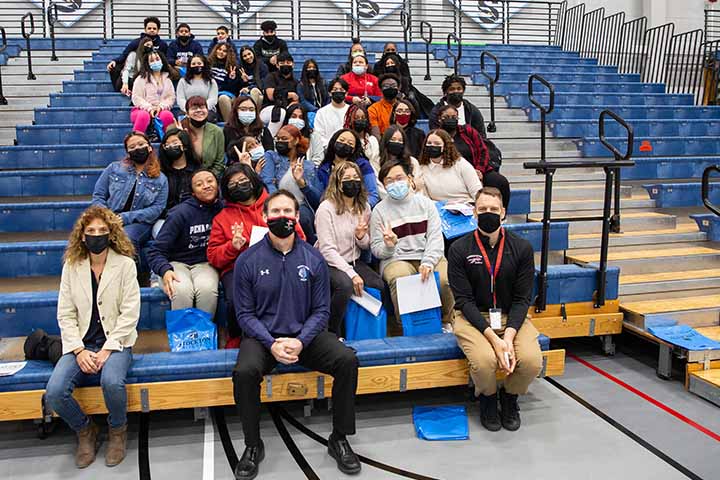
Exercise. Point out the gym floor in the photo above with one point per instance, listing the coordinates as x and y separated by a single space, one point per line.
607 417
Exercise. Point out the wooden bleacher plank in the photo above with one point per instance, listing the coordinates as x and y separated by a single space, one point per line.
218 391
645 254
669 276
712 333
692 367
580 325
579 308
706 384
684 228
672 305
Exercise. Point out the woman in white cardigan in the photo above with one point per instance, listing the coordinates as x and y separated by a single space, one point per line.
98 312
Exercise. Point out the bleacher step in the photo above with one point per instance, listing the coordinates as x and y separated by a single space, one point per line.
703 310
706 384
577 190
669 281
682 233
648 259
593 206
631 221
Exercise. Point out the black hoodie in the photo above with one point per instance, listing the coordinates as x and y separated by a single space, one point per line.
266 51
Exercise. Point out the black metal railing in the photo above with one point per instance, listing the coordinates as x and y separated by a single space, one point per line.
428 41
492 80
592 33
573 25
632 43
455 56
3 48
52 19
26 34
608 48
405 23
544 111
706 189
684 64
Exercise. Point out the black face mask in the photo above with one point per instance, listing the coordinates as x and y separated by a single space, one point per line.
390 93
351 188
269 38
488 222
196 70
97 243
285 70
198 123
241 193
184 39
433 151
281 227
312 74
338 97
343 150
173 153
283 148
391 69
147 49
455 98
361 125
396 148
449 124
139 155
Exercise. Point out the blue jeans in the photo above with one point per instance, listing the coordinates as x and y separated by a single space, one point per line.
67 375
139 234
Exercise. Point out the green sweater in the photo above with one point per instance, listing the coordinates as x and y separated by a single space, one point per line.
213 149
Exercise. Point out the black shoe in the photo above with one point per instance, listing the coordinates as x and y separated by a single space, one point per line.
510 413
247 467
489 412
347 461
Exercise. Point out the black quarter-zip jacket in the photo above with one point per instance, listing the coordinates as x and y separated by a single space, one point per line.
470 281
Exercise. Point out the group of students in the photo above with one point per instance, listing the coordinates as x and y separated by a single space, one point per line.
348 205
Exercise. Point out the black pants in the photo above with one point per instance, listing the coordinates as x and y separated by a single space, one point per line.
341 289
325 354
232 325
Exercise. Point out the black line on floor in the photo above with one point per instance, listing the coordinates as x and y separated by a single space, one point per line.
144 447
369 461
218 414
641 441
291 446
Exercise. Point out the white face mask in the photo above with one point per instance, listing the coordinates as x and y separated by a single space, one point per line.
298 123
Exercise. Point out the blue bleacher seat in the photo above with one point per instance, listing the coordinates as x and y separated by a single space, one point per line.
673 195
708 223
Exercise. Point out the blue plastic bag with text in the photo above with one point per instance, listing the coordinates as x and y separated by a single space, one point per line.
190 330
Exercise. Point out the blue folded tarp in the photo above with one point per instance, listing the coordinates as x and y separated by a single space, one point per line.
441 423
684 336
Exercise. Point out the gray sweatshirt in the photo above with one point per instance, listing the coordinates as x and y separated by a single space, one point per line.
185 90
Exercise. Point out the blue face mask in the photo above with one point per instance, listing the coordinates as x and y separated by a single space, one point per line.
299 123
398 190
156 66
246 118
257 153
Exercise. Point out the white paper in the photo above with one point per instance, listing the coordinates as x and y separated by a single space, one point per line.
414 295
11 368
460 207
368 302
257 234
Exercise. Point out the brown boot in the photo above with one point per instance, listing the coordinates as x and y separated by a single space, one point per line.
117 445
87 445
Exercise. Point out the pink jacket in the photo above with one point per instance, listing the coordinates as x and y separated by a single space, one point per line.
147 94
336 236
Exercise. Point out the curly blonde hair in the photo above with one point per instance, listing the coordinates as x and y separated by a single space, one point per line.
119 241
334 189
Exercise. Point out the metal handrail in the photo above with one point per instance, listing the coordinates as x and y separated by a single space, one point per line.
492 80
428 41
52 18
3 47
630 135
405 22
456 57
543 111
706 189
26 35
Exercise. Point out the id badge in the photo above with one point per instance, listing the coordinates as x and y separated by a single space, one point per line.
495 319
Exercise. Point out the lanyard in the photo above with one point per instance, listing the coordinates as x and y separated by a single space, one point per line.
498 262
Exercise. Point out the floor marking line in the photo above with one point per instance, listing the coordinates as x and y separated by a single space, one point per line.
144 447
218 414
291 446
648 398
369 461
209 450
639 440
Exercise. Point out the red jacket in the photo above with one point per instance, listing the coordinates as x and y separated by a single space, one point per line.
220 251
360 85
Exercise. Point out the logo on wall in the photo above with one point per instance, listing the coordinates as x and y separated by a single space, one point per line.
70 11
369 12
231 9
487 14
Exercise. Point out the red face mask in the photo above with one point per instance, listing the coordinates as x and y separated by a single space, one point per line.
402 119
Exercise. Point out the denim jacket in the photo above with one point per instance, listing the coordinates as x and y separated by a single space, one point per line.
114 186
277 165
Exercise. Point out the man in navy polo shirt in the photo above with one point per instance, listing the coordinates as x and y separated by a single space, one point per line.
282 302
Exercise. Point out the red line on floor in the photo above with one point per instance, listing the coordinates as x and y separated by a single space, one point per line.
648 398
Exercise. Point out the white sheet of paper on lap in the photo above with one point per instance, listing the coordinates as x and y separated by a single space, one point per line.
11 368
414 295
368 302
257 234
459 207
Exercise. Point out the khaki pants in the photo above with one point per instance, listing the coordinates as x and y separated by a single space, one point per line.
198 287
483 362
403 268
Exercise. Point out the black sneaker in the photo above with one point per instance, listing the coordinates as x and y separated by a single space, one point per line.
347 461
510 413
248 466
489 412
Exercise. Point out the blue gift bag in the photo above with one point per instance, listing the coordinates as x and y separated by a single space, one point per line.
361 324
190 330
159 128
447 422
423 322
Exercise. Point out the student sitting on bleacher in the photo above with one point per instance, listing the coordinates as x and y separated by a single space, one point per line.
311 88
247 150
198 82
363 87
341 223
393 64
179 253
393 148
406 235
357 120
184 47
405 116
356 50
345 146
282 293
152 30
177 163
288 168
281 86
253 73
331 118
446 174
453 88
490 320
98 310
153 94
225 72
222 36
468 141
208 141
381 66
134 188
269 46
133 65
244 195
245 121
297 116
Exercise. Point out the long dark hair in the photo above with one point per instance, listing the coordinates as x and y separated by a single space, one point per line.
330 152
411 107
306 131
184 137
255 66
246 170
384 155
308 88
140 51
146 72
206 73
255 129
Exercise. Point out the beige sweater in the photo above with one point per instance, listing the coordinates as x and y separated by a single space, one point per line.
459 183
